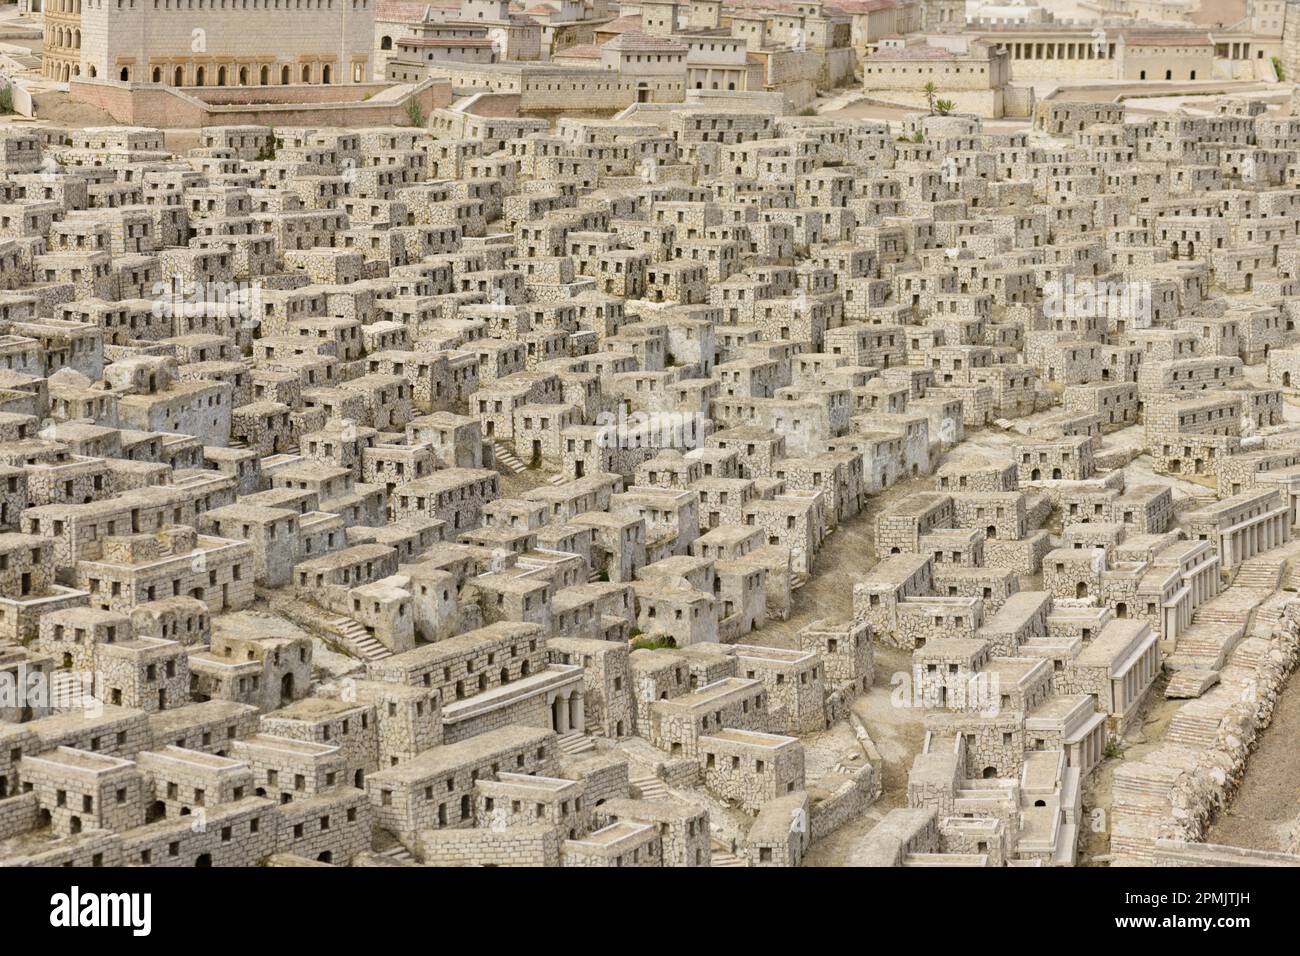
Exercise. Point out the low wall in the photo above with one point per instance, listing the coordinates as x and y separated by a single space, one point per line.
514 846
849 801
164 107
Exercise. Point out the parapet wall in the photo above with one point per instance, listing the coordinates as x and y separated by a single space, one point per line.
165 107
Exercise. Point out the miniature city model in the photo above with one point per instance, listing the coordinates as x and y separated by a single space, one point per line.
648 434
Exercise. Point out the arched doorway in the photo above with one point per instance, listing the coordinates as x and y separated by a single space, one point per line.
265 77
325 73
286 688
284 76
200 75
178 76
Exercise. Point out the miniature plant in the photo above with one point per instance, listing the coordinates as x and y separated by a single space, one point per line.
930 91
661 642
414 114
944 107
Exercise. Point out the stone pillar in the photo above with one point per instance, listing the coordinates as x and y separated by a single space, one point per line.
577 715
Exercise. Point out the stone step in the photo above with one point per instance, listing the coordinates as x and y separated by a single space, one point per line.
725 858
648 787
359 640
1191 729
399 853
576 743
508 458
1262 573
1191 682
1249 654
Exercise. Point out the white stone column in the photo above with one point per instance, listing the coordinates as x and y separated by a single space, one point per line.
577 716
562 714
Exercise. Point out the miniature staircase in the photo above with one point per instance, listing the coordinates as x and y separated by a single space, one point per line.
1191 682
399 853
1195 725
649 787
1210 614
558 480
1260 573
798 580
1267 618
719 855
574 744
507 458
1203 648
238 443
359 640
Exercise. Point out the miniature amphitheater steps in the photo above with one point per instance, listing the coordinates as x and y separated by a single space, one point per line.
649 786
359 640
574 744
508 458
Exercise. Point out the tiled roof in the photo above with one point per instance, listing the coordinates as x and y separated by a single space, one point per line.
411 11
637 42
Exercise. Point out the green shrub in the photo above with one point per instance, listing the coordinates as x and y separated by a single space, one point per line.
662 642
414 114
